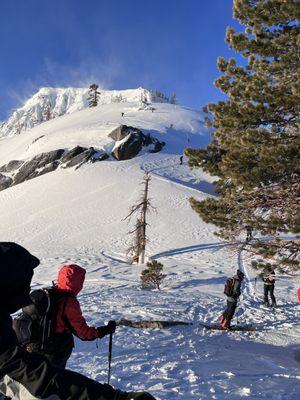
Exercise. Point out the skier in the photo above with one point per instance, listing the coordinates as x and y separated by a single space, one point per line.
249 231
122 114
68 319
233 292
181 160
268 278
32 372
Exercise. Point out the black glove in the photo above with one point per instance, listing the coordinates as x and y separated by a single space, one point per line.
107 330
111 326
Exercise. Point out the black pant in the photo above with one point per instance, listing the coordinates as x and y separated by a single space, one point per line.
229 312
59 351
269 289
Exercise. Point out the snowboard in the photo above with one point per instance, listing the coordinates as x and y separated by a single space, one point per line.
233 328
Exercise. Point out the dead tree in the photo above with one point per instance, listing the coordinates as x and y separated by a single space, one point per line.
138 248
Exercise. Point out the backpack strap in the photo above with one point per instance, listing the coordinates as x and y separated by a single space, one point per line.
46 324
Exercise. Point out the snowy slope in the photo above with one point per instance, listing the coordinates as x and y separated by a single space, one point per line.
91 127
77 216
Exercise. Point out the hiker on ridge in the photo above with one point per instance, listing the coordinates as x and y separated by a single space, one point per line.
233 291
68 318
31 372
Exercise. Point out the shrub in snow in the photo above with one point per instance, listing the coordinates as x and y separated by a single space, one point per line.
152 275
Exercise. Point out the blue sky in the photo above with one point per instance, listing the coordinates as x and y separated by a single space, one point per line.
170 45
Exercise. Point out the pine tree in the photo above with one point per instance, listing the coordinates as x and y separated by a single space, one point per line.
152 275
93 95
173 98
255 147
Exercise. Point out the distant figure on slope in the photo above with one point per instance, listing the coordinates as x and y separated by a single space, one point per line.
122 114
268 277
181 160
249 231
233 291
68 319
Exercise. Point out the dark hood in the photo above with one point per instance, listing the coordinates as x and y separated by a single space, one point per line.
16 269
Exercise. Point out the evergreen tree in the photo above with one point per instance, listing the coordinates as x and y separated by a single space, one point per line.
173 98
93 95
255 147
152 275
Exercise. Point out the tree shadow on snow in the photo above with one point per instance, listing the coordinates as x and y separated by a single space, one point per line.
199 282
190 249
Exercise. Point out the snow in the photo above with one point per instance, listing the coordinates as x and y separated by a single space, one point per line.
60 101
77 216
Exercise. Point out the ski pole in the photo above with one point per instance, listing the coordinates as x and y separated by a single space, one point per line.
109 356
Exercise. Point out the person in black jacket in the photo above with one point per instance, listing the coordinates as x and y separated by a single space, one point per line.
32 372
232 300
268 278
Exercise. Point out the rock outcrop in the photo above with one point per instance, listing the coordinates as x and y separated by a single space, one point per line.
11 166
132 140
37 165
128 147
5 182
129 142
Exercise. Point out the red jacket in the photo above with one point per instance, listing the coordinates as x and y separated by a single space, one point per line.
69 316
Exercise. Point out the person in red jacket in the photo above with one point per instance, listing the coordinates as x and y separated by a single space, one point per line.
30 375
69 318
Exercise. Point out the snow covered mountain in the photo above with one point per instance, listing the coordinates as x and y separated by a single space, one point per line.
76 214
49 103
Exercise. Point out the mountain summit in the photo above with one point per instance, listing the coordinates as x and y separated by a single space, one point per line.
49 103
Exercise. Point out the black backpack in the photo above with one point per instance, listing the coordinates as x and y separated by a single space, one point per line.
229 287
37 322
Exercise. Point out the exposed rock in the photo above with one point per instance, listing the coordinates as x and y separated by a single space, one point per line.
5 182
128 148
73 153
30 169
99 157
122 131
38 138
157 147
49 168
11 166
151 324
150 140
81 158
135 140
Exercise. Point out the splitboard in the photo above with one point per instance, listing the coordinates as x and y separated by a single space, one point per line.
245 328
